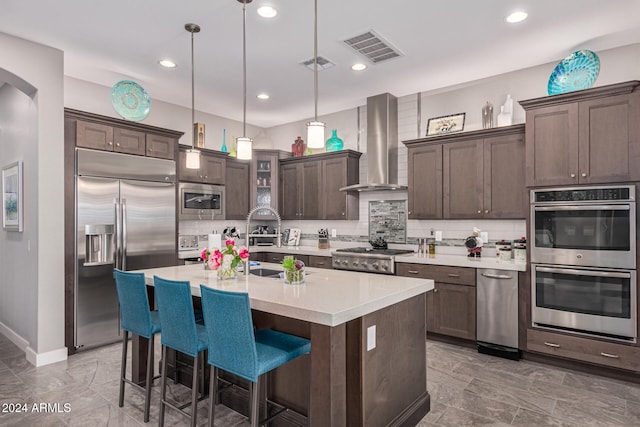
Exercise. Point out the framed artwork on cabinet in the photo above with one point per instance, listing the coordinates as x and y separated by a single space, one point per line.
12 197
445 124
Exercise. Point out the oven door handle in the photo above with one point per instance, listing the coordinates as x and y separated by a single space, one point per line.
622 207
585 272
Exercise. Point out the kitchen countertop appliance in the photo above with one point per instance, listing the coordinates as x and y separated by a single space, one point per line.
125 219
497 313
376 259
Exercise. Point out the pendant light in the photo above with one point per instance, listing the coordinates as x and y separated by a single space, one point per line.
315 129
244 144
193 155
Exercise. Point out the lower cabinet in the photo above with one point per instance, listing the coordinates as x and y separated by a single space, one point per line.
319 261
584 349
451 306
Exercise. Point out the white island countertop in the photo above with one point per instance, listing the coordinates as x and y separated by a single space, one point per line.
329 297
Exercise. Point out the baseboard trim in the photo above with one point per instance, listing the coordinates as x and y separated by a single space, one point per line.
36 359
14 337
42 359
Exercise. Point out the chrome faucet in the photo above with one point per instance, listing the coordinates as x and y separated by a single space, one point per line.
278 234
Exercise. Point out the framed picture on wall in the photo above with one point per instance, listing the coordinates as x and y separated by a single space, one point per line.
445 124
12 197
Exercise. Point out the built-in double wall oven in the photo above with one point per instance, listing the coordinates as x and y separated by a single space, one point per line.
583 260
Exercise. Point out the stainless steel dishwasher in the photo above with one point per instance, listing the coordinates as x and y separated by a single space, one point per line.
497 312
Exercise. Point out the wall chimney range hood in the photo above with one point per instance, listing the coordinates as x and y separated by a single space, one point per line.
382 145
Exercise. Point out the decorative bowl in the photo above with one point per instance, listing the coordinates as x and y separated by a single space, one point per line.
577 71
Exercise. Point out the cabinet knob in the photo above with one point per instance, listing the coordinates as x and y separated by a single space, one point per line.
109 143
150 150
573 175
486 211
205 177
409 212
342 213
118 144
583 174
479 210
435 291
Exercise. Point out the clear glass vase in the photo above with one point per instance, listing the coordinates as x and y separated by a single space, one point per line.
334 143
294 277
227 273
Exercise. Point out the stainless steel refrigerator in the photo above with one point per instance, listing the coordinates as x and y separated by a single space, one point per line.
126 219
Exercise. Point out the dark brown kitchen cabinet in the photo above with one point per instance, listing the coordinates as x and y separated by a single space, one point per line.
310 186
277 257
338 172
584 137
425 181
236 197
319 261
477 174
212 167
160 146
451 305
300 195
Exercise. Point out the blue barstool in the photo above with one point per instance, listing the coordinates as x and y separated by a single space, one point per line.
238 349
137 318
181 333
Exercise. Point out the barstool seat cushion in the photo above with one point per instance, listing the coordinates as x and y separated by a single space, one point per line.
276 348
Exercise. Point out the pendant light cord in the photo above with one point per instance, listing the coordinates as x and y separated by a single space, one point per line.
244 68
193 91
315 58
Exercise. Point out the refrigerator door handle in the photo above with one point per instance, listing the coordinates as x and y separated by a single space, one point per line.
124 234
116 204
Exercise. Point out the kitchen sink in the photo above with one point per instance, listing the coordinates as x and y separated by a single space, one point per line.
265 272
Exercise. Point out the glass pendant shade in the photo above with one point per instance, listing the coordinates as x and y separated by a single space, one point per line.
315 135
193 159
243 148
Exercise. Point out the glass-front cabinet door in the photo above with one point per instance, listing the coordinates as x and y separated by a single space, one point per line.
264 180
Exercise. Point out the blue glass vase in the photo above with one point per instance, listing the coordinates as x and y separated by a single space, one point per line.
334 143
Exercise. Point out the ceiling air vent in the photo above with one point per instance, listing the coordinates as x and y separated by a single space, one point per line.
323 63
373 47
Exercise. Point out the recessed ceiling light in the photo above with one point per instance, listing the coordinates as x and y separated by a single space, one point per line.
515 17
262 96
167 63
358 67
267 11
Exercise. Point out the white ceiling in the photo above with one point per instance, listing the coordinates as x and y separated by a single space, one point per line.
444 43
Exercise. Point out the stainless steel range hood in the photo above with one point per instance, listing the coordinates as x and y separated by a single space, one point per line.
382 145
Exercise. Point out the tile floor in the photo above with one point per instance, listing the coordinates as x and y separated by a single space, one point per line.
467 389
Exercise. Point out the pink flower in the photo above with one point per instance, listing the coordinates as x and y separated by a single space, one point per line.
244 253
204 255
229 242
214 264
217 256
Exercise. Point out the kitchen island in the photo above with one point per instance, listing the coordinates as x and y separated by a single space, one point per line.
368 351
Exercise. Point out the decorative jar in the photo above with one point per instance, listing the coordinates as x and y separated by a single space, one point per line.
334 143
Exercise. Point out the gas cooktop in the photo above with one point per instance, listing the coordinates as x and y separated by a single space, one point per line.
365 250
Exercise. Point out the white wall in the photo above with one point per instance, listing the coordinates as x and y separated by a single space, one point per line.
41 69
94 98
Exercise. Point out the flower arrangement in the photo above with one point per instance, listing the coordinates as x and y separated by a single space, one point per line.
293 270
225 260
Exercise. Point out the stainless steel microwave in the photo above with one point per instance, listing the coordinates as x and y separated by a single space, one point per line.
200 201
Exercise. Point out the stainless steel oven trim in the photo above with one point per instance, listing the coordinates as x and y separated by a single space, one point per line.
632 193
585 323
194 214
594 207
586 257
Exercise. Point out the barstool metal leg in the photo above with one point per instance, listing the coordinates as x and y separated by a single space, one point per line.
254 393
163 387
194 390
213 394
123 366
149 380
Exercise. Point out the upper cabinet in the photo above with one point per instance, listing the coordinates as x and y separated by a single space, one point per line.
212 167
264 181
310 186
237 189
478 174
120 136
584 137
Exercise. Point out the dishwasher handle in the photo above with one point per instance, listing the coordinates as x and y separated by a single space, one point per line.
496 276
